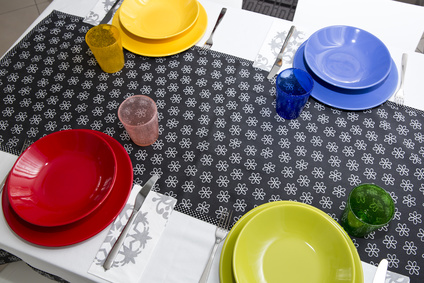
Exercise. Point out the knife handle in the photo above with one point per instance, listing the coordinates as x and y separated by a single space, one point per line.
279 60
221 15
115 249
110 13
206 271
402 74
286 42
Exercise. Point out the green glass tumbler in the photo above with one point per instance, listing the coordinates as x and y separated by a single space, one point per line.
368 208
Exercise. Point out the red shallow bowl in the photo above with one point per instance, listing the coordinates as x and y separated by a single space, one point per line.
88 226
62 178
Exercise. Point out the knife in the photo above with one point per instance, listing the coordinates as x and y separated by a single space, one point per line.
109 14
380 274
137 205
279 61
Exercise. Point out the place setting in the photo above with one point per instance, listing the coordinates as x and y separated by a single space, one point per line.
155 28
351 68
293 241
70 185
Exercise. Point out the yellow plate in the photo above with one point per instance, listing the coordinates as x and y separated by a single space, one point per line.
226 271
163 47
158 19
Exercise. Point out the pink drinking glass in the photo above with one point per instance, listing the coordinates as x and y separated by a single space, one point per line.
139 115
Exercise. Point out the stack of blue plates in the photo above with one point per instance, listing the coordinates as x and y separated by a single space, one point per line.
352 69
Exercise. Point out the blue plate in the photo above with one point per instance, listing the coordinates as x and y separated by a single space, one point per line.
343 98
348 57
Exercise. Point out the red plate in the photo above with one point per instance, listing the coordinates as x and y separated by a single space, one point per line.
88 226
62 178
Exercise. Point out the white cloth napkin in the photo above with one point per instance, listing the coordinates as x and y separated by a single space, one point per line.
99 11
140 242
273 43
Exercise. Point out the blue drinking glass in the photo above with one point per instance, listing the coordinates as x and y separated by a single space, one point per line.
293 89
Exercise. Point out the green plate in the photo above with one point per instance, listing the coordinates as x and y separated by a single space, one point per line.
226 270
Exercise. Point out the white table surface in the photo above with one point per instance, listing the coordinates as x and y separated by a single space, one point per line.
183 250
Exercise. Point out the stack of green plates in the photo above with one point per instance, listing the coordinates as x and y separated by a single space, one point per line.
287 241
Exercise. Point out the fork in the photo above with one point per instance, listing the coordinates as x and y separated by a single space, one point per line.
26 144
400 96
209 42
220 234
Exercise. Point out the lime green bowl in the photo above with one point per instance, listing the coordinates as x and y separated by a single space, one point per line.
292 242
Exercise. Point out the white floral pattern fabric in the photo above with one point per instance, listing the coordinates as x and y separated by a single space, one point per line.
221 144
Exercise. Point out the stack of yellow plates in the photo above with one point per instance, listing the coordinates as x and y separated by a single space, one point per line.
160 27
287 241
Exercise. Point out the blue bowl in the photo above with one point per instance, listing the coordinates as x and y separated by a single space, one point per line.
347 57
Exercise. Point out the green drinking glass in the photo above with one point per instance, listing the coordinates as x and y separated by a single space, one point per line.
368 208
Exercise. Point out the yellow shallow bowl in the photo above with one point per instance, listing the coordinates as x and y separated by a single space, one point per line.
292 242
158 19
163 47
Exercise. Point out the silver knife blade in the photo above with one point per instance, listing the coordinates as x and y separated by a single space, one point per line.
141 196
380 274
109 14
279 60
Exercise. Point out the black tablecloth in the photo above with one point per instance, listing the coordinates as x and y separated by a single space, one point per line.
221 145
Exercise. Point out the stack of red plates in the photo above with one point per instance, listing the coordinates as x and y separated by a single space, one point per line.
66 187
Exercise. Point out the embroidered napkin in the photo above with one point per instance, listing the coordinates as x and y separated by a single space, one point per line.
140 242
273 43
100 10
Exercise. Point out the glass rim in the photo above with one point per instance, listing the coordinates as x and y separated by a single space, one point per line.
116 35
362 221
152 102
308 76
